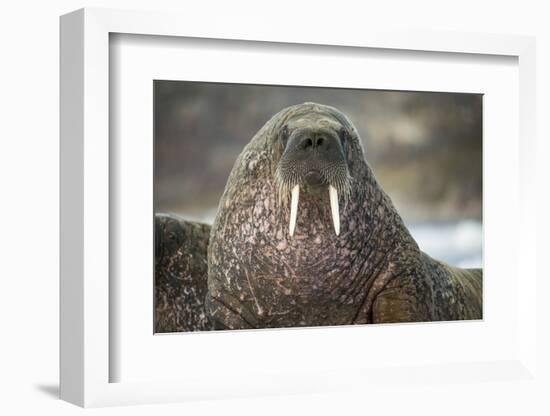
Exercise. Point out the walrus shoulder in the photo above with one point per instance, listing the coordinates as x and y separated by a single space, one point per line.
181 274
430 291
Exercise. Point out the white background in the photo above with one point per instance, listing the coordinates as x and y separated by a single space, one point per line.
29 217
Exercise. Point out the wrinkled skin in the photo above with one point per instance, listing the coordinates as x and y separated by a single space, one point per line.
372 272
181 271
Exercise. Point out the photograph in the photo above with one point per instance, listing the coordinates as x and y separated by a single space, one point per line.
290 206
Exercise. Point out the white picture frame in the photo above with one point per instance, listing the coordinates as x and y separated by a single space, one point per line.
86 355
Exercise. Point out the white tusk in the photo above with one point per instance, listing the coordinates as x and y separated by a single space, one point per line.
294 208
333 193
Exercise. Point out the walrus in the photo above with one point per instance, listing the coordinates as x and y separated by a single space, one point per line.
181 271
305 236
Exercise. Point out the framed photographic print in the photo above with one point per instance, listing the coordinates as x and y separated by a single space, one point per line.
271 213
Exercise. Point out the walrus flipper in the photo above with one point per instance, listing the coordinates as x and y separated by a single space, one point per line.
431 291
181 274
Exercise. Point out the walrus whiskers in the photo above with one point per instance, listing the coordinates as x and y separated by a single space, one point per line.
288 179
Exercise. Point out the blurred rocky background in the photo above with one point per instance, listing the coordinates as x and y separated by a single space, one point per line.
425 149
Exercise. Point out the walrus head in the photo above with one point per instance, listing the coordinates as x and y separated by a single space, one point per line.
301 222
313 158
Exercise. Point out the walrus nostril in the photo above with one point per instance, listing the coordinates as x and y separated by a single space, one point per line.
307 143
313 142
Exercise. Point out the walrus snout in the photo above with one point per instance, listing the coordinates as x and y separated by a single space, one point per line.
314 144
312 159
316 159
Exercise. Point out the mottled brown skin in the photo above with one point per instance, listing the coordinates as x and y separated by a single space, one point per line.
373 272
181 271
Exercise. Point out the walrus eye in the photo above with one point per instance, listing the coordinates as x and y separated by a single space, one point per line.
344 135
283 136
